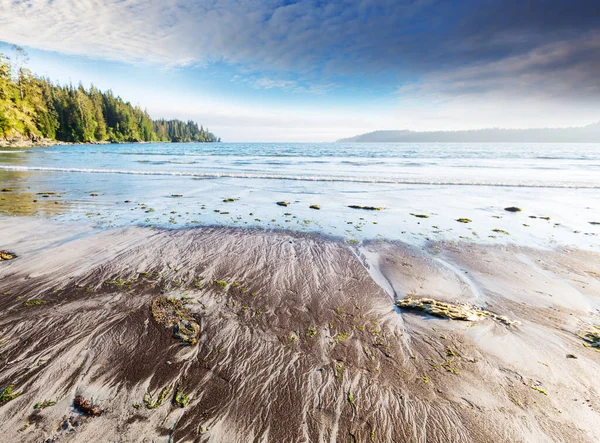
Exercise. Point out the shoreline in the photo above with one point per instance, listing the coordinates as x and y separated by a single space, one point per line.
45 143
299 337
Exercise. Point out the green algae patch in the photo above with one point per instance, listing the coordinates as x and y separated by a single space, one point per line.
152 403
180 399
419 215
8 394
450 311
44 404
463 220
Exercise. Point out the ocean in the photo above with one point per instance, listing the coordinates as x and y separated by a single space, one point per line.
421 189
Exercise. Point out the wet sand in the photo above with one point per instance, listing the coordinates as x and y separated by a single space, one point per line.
299 340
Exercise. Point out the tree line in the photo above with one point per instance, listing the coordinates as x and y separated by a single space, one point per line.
36 108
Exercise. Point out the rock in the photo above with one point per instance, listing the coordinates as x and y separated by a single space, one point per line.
513 209
450 311
283 203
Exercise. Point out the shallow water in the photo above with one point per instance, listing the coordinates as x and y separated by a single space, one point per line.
443 181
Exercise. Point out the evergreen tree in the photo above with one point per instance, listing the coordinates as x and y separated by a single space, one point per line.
34 107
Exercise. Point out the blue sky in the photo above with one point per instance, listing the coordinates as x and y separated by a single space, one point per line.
310 70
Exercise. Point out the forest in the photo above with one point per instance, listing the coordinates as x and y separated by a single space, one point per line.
35 108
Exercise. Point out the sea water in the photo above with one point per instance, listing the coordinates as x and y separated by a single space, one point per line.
422 189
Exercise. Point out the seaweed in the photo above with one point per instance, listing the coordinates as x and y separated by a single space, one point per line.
44 404
162 396
87 407
8 394
180 399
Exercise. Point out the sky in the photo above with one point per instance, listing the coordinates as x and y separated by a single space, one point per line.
314 70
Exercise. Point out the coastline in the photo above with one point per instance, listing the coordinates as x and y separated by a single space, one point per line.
45 143
299 337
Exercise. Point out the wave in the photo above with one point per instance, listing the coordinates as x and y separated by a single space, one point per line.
314 178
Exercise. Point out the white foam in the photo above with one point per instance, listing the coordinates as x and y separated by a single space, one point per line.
315 178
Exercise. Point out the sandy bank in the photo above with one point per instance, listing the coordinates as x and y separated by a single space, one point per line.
299 339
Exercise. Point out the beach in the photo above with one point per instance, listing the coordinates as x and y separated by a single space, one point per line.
251 293
298 338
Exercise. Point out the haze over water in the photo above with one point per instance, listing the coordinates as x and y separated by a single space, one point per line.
178 185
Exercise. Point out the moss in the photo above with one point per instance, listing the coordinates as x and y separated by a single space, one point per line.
34 302
282 203
463 220
315 207
311 332
8 394
450 352
44 404
419 215
425 379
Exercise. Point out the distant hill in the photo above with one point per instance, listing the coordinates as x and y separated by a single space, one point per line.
582 134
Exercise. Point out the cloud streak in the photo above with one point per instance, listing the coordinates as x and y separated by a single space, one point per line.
544 50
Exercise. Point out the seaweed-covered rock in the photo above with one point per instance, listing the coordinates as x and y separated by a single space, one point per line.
5 255
367 208
450 311
592 338
172 313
